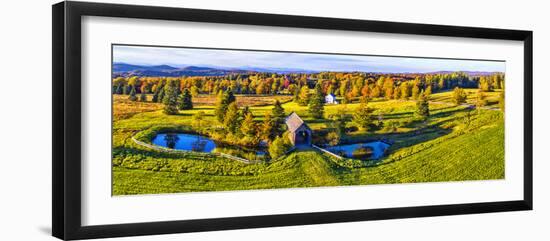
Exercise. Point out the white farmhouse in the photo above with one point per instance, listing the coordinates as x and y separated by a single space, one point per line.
331 99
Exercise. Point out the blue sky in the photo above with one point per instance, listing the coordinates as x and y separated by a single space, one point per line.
180 57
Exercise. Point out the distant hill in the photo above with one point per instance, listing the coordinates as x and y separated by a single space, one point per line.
470 73
122 69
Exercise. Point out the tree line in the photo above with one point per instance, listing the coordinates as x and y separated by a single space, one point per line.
345 85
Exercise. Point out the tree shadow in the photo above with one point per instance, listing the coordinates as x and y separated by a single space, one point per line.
124 151
442 114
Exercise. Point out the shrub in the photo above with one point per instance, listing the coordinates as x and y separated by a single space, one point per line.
279 147
333 138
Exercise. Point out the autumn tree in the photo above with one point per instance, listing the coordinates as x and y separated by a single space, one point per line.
365 91
415 91
194 91
485 83
405 91
481 98
388 87
303 96
248 126
376 92
267 129
459 96
428 91
231 119
223 100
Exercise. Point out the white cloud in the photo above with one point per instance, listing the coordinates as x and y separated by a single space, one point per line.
179 57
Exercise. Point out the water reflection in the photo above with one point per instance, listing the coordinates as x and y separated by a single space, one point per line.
198 143
368 150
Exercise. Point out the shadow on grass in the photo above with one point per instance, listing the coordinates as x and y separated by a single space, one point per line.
125 151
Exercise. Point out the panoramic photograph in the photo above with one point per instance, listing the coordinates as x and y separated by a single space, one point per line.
201 119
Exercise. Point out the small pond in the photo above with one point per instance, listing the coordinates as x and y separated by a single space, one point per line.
368 150
198 143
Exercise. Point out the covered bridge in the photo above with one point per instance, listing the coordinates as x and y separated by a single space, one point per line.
299 132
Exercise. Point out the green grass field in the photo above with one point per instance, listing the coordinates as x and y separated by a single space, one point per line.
447 147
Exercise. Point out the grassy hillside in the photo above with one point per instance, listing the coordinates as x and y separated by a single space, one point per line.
454 144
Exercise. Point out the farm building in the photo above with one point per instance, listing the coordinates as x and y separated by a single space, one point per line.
299 132
331 99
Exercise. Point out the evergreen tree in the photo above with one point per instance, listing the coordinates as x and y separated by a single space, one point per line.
155 97
143 97
125 90
316 103
132 96
296 93
231 118
422 106
185 100
363 115
170 98
278 115
459 96
339 121
230 96
161 95
119 89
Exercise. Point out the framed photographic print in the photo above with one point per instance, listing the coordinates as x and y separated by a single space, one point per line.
171 120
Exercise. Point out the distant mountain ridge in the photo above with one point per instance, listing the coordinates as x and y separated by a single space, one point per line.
470 73
123 69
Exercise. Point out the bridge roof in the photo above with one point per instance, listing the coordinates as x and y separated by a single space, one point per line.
293 122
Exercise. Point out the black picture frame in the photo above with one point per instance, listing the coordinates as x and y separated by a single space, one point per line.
66 168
